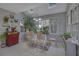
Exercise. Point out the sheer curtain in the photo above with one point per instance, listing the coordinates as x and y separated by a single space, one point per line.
53 26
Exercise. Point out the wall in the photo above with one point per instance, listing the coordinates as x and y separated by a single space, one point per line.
18 16
2 14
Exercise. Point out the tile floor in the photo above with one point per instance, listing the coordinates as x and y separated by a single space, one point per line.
22 49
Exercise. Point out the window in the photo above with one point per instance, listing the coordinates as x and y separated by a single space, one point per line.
68 23
40 23
53 26
72 25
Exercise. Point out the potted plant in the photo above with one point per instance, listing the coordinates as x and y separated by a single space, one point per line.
65 36
3 40
45 32
29 26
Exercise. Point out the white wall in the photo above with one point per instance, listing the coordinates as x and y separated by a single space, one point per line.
2 14
16 16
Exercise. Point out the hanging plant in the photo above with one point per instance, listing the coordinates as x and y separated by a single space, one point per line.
15 20
6 18
29 24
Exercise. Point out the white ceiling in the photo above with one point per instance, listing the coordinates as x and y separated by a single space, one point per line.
39 9
18 7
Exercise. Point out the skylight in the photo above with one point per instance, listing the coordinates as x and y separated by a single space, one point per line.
51 5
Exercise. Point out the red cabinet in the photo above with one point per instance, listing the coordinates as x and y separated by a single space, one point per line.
12 38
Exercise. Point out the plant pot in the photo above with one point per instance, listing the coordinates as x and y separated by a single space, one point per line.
39 34
29 35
